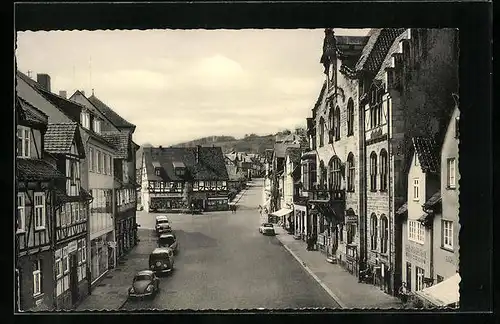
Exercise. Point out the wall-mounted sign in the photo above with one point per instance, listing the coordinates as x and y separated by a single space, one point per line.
415 253
351 219
72 246
166 195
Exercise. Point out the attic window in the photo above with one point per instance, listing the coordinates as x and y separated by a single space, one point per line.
179 171
157 171
457 127
85 119
96 125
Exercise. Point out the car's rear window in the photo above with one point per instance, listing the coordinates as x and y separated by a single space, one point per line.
268 225
166 240
162 221
142 278
158 256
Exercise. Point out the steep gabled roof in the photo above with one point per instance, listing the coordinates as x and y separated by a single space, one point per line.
121 142
59 138
36 170
280 148
110 114
30 113
376 48
210 166
427 152
388 57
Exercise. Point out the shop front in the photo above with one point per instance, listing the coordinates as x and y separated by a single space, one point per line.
217 203
102 250
125 233
300 221
165 201
71 273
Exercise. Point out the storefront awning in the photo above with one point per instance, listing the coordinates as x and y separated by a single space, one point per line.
282 212
444 293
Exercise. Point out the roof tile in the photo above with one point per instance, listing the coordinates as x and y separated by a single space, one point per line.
116 119
120 140
427 153
36 170
59 137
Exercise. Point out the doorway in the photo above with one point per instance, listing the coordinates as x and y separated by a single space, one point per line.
73 279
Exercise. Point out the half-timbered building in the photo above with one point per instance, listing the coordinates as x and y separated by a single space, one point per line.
177 178
35 182
96 169
63 141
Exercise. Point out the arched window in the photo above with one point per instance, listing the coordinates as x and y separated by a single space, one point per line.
374 232
321 131
384 233
384 166
373 171
331 125
323 174
350 117
350 172
375 107
337 123
335 179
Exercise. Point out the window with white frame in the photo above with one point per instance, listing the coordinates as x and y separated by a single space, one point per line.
37 277
65 260
99 161
110 165
59 265
85 119
419 280
416 231
416 189
39 210
21 212
97 125
447 234
23 141
384 233
451 172
91 159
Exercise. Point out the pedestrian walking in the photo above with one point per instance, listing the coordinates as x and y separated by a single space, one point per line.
403 292
308 241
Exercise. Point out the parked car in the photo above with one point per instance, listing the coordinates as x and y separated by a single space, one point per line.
144 284
162 225
168 240
267 229
161 260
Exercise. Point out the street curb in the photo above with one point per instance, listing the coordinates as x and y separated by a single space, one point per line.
123 304
325 287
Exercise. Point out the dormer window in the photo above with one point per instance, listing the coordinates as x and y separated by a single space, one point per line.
157 171
96 127
331 72
85 119
179 168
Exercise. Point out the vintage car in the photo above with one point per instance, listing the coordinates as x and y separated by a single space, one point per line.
162 225
161 260
144 284
168 240
267 229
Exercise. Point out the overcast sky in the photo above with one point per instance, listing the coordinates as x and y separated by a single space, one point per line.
179 85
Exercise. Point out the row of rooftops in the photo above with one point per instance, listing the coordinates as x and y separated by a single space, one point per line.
119 141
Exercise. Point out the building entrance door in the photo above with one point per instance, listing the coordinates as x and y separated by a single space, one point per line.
73 278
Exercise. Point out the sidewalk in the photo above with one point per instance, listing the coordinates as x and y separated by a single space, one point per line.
112 291
340 284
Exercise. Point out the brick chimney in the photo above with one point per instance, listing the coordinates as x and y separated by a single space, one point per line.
44 80
63 93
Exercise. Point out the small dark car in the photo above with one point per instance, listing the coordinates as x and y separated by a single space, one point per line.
168 240
145 284
161 260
